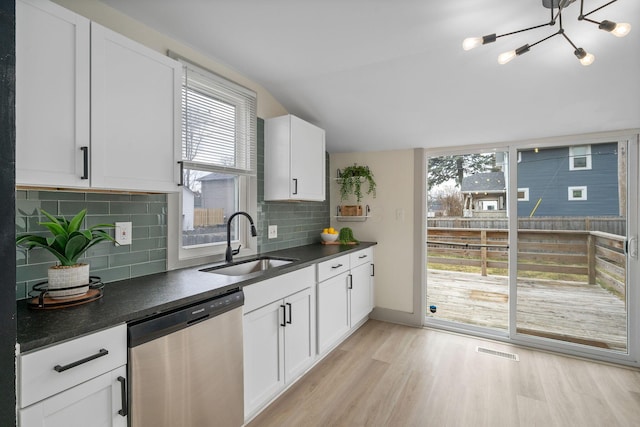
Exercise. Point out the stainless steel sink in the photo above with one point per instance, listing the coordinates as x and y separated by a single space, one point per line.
254 265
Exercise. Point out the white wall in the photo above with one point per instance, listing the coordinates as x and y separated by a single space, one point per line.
391 222
104 15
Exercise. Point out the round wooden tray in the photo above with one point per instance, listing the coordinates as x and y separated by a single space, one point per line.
41 299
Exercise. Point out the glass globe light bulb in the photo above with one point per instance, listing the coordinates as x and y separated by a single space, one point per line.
505 57
621 29
587 59
471 42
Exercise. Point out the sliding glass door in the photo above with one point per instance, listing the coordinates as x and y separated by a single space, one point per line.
467 240
537 244
572 228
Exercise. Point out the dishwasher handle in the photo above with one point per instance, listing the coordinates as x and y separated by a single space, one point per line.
146 330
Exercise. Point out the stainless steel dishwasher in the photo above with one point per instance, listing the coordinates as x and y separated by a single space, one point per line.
186 366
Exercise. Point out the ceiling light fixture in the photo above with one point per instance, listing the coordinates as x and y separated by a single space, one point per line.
585 58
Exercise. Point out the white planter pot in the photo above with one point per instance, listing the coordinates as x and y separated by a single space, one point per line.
61 276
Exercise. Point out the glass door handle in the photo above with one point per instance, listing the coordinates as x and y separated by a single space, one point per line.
632 247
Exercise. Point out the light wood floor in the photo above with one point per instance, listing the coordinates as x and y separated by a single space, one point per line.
392 375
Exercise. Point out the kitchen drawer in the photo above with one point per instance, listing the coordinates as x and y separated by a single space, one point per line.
361 257
39 379
333 267
262 293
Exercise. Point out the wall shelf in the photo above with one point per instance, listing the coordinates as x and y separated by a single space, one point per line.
353 218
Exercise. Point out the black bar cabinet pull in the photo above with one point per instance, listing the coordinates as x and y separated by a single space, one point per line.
100 353
290 313
85 161
337 266
373 270
181 183
350 281
123 396
362 256
284 316
295 185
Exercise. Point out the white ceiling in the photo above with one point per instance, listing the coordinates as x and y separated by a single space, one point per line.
390 74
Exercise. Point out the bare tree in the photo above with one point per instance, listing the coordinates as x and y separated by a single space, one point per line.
449 199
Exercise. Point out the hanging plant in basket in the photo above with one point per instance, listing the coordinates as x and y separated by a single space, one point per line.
351 180
67 243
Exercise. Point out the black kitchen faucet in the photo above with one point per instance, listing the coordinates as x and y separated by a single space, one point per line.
231 252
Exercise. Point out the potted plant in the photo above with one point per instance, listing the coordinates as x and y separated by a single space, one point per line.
67 243
351 180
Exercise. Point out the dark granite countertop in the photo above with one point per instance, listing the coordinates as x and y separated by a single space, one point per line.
137 298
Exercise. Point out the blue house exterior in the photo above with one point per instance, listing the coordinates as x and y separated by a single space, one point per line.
576 181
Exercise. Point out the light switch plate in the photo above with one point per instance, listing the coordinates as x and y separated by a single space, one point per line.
123 233
273 231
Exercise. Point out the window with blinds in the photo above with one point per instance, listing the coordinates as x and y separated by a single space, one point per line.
218 155
218 123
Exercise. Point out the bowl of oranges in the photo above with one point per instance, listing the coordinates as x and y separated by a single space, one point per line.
329 234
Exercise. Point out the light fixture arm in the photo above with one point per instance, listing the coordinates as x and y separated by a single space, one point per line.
551 23
560 31
584 15
569 40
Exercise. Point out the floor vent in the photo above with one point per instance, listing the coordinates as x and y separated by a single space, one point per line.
509 356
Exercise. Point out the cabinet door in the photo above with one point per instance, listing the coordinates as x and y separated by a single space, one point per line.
360 293
263 355
333 311
52 94
299 336
307 161
135 122
95 403
294 160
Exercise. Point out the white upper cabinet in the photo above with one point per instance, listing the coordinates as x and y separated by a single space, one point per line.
52 94
294 160
134 120
93 108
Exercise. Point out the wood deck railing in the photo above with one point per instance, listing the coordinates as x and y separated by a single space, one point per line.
598 257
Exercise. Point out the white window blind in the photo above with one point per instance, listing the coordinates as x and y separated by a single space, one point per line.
218 123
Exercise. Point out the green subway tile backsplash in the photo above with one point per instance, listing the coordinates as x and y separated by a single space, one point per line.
146 255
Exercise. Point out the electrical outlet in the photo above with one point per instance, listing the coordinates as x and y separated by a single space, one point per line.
273 231
123 233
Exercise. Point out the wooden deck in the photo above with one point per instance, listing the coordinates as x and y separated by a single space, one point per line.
569 311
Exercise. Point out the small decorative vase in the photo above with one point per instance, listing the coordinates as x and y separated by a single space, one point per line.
64 276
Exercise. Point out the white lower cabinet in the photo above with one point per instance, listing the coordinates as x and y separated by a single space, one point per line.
279 335
97 402
78 383
361 286
360 293
333 311
345 296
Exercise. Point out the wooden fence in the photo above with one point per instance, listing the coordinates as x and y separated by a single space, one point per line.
597 256
613 225
203 217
